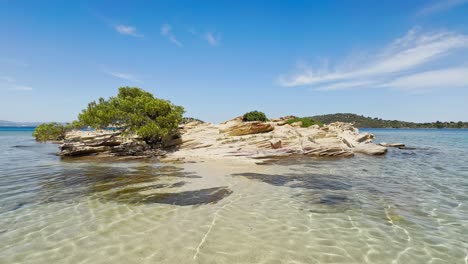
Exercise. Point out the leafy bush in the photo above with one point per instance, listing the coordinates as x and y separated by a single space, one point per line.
306 121
254 116
187 120
50 131
134 110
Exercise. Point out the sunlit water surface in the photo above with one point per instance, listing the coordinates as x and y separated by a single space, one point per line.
410 206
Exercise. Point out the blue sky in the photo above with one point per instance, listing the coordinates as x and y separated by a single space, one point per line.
404 60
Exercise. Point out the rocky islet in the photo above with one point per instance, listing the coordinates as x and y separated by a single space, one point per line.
231 139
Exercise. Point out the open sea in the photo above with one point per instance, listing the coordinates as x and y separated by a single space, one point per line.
410 206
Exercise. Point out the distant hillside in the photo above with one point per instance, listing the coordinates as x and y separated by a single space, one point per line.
4 123
369 122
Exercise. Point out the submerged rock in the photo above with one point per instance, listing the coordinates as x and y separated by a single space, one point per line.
370 149
392 145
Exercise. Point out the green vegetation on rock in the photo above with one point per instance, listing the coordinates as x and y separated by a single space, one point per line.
369 122
50 131
134 110
254 116
305 121
187 120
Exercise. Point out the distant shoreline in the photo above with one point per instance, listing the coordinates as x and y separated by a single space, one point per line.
17 128
416 128
361 121
358 121
396 128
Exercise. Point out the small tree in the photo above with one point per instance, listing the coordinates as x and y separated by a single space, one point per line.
439 124
305 121
254 116
134 110
50 131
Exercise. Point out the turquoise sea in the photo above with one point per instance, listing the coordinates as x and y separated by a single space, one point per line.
410 206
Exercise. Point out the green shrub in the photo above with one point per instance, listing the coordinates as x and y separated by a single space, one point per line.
133 110
306 121
50 131
254 116
187 120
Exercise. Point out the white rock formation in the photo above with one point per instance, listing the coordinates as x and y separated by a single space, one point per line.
231 139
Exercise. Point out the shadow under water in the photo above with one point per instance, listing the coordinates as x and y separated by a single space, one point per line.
196 197
306 181
327 193
114 183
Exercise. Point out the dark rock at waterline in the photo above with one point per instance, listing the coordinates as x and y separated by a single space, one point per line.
407 148
108 144
392 145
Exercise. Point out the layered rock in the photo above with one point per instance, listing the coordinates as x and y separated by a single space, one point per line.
106 144
370 149
236 127
273 139
233 139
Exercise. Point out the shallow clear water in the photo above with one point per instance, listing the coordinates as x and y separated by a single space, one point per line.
410 206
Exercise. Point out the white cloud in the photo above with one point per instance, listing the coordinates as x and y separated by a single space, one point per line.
22 88
212 39
440 6
447 78
127 30
166 31
124 76
403 56
345 85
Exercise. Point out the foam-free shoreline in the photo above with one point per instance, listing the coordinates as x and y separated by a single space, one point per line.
231 140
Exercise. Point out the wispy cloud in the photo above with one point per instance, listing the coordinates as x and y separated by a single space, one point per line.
166 31
404 56
125 76
128 30
22 88
118 26
213 39
121 75
9 83
440 6
7 79
14 62
456 77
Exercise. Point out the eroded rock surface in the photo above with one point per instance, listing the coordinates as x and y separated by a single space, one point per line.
231 139
106 144
236 127
235 138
